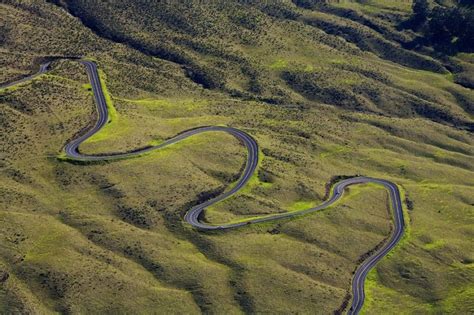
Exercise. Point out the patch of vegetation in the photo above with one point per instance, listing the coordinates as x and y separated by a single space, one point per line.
327 89
446 26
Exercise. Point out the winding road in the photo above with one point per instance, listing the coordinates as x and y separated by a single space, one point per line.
43 69
192 216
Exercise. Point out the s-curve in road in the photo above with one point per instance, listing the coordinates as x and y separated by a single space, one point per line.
193 215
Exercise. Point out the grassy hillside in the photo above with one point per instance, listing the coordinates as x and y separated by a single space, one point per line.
326 90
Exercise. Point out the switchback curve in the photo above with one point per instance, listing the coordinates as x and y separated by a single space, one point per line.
192 216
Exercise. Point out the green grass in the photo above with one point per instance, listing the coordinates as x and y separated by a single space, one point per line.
110 130
435 245
374 303
301 205
9 89
109 236
279 64
87 87
377 6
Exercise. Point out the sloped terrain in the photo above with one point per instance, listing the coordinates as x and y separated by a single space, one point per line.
326 91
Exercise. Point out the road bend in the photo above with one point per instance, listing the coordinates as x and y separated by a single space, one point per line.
194 214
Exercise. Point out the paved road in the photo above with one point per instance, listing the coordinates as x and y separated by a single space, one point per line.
43 68
192 216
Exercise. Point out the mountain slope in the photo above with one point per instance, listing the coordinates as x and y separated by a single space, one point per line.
325 90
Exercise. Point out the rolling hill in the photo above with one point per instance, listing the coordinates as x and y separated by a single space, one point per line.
327 90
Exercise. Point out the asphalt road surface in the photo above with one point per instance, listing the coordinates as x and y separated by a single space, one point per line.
43 69
193 215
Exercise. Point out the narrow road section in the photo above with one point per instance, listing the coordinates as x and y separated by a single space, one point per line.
193 215
43 69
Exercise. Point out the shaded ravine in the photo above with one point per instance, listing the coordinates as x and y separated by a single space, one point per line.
193 215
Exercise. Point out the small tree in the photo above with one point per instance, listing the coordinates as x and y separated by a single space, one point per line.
466 34
421 11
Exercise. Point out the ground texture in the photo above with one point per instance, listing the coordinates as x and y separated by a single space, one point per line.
326 91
